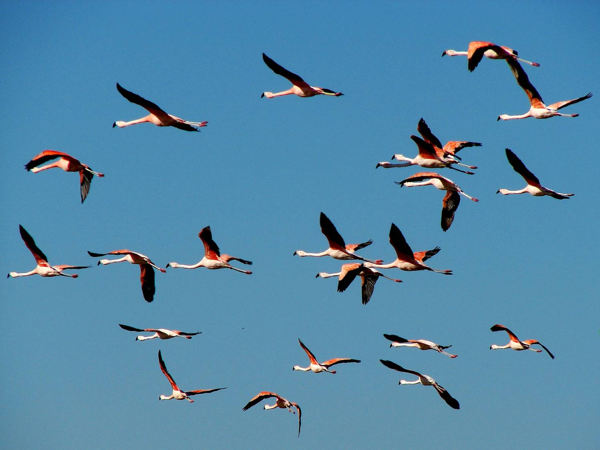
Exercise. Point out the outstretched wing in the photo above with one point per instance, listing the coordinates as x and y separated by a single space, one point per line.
48 155
403 250
151 107
279 70
166 372
312 357
394 338
454 147
347 275
258 398
129 328
334 361
394 366
211 249
523 80
147 280
203 391
335 239
39 256
511 335
559 105
424 131
368 280
85 181
450 204
520 168
452 402
477 49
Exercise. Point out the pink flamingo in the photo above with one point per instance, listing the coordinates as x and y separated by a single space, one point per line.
317 367
479 49
280 402
516 344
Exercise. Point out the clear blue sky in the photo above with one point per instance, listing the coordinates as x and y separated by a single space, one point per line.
259 174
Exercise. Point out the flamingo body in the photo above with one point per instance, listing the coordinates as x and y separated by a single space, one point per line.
159 333
317 367
280 402
516 344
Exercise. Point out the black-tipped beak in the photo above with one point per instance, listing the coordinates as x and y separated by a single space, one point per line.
498 191
498 119
98 263
262 95
114 124
294 254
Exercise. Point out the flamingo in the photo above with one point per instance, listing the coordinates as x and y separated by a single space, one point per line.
479 49
160 333
533 186
67 163
299 88
449 150
348 273
450 201
421 344
425 380
178 394
146 268
42 268
157 116
405 258
427 157
337 249
317 367
279 403
538 109
517 344
213 259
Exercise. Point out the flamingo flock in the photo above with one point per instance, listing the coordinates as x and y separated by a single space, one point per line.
431 155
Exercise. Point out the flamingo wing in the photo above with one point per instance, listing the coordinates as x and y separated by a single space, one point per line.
425 255
202 391
297 406
166 372
545 348
260 397
513 337
426 149
147 280
523 80
477 49
395 338
311 356
559 105
403 250
334 361
279 70
347 275
454 147
451 401
368 280
39 256
130 328
147 104
520 168
394 366
183 333
48 155
335 239
85 181
428 136
211 249
450 204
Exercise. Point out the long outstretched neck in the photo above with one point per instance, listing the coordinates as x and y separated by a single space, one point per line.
451 52
381 265
302 369
112 261
499 347
409 382
327 275
387 165
23 274
176 265
302 253
509 117
145 338
122 124
46 167
509 192
276 94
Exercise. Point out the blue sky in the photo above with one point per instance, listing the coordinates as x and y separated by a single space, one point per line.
259 174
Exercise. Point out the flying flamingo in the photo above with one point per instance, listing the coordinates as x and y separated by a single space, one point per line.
450 201
280 403
425 380
42 268
479 49
538 109
517 344
213 259
421 344
449 150
146 268
405 258
299 88
427 157
337 249
533 186
348 273
178 394
68 164
160 333
317 367
157 116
